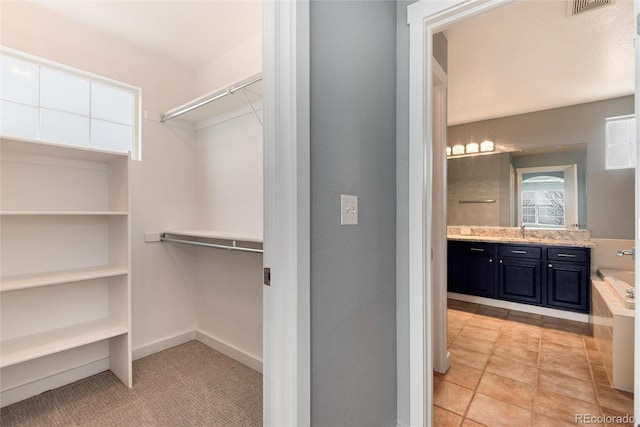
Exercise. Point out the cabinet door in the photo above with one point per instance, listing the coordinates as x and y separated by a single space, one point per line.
520 280
568 286
455 269
480 275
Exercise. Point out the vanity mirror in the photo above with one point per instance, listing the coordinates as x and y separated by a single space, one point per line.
538 188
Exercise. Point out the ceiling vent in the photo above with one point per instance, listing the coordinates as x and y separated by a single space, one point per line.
579 6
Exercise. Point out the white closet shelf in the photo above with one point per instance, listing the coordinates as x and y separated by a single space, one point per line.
31 347
62 213
25 281
44 148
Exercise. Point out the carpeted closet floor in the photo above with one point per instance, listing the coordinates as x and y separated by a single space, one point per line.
188 385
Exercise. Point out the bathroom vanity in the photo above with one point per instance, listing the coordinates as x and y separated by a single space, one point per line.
551 273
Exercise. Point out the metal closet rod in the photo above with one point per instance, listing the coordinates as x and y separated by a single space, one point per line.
209 98
211 245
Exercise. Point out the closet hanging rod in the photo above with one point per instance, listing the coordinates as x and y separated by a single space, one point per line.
211 245
206 99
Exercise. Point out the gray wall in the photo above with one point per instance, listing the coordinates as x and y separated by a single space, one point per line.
353 307
478 178
610 201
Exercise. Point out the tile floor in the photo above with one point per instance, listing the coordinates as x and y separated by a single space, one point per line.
511 368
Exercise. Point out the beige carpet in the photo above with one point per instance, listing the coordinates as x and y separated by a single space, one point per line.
188 385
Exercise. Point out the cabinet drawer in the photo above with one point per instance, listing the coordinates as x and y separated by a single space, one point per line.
531 252
568 255
473 248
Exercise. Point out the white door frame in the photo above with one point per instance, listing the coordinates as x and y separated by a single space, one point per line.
637 216
286 303
426 18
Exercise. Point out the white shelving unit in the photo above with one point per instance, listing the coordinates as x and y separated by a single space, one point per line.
64 255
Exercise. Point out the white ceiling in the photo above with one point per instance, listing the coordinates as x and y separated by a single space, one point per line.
531 55
190 32
526 56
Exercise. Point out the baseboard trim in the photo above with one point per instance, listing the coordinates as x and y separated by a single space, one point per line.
560 314
33 388
163 344
233 352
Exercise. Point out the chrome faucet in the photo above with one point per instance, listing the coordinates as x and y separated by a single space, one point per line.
522 228
631 252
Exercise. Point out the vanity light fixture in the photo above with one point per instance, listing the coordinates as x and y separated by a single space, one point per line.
448 151
472 148
486 146
457 149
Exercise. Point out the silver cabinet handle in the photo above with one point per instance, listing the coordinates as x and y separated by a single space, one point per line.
518 252
477 249
500 261
550 265
566 255
490 259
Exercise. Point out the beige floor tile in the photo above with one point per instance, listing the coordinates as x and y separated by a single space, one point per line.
451 397
474 331
516 353
590 343
496 413
562 325
543 421
616 401
524 321
487 322
617 422
557 350
514 339
521 329
474 343
600 376
507 390
574 367
562 338
566 385
444 418
463 375
559 406
595 358
470 423
510 368
467 357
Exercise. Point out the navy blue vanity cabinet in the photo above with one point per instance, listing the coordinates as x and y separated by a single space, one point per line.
568 278
471 268
520 274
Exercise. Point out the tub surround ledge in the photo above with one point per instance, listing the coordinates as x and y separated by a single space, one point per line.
532 236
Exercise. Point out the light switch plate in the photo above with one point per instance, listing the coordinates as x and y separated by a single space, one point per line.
348 210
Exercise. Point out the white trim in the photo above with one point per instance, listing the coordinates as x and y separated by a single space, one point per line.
247 359
544 311
637 216
286 338
33 388
425 18
163 344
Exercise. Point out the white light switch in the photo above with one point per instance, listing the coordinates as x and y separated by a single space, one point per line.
348 209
